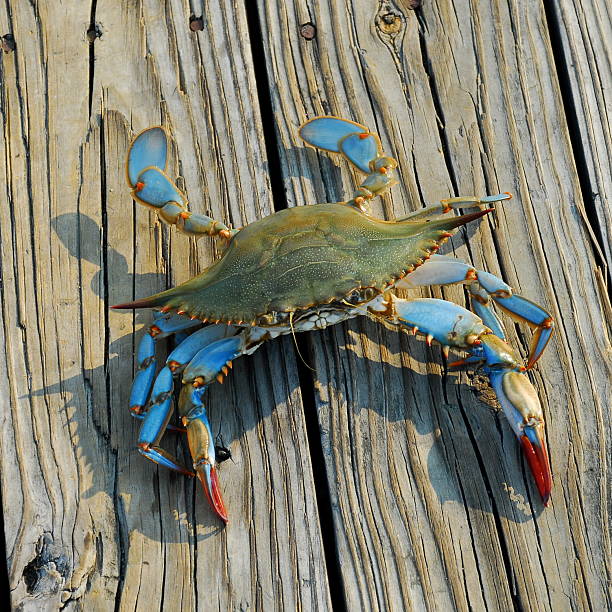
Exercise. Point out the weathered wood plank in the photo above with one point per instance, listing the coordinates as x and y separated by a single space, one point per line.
585 32
530 141
48 536
432 503
90 523
429 510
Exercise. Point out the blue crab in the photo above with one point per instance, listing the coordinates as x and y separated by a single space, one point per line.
309 267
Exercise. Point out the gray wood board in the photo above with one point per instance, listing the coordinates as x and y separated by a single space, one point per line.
89 522
432 504
585 33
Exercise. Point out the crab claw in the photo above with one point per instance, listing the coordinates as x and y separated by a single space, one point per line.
201 446
148 149
210 482
534 449
522 408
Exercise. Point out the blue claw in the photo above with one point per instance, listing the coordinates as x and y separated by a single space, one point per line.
360 150
155 189
155 422
148 149
209 362
327 132
199 340
207 473
201 446
521 406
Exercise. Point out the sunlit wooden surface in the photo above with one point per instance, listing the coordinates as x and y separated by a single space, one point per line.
376 480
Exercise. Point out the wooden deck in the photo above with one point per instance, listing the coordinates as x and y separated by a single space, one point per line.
378 481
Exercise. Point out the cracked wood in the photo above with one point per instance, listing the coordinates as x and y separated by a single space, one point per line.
427 503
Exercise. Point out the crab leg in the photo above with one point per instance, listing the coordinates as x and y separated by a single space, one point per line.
163 326
202 357
141 385
446 322
207 365
484 288
454 326
157 414
360 147
187 350
443 270
450 204
536 317
201 446
521 405
155 422
439 208
212 362
151 186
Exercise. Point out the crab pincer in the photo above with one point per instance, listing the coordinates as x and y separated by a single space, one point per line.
522 408
454 326
202 447
204 368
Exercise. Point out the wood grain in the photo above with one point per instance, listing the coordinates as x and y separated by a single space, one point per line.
431 504
585 31
90 523
426 483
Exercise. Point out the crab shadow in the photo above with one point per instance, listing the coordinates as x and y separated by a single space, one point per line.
425 414
82 236
96 402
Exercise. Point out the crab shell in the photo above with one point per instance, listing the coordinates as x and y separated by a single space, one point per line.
302 257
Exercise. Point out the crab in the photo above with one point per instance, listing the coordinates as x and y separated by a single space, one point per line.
308 267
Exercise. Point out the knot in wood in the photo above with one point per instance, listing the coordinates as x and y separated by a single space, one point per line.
308 31
8 43
196 24
390 23
94 32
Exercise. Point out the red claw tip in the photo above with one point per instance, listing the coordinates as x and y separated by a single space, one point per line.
212 489
537 458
